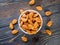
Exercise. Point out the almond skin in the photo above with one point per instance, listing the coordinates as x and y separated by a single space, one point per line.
48 32
15 32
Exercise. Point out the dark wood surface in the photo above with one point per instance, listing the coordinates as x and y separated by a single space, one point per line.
9 10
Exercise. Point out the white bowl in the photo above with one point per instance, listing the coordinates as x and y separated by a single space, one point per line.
29 11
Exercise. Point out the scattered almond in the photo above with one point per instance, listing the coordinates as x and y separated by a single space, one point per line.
48 32
49 24
39 8
15 32
11 26
14 21
24 39
48 13
31 2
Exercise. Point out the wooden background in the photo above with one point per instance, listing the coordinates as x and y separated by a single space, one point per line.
9 9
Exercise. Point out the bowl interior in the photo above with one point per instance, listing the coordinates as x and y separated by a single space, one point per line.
30 11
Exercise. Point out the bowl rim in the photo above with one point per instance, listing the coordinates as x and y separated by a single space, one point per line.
30 11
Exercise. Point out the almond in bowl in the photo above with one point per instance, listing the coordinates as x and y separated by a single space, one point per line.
30 22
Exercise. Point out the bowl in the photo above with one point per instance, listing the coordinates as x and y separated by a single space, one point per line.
30 11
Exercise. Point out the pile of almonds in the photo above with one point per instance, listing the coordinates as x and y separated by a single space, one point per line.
30 22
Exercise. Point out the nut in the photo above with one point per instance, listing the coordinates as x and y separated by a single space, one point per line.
15 32
14 21
24 39
24 19
38 19
11 26
49 24
21 23
48 13
30 26
36 25
24 15
32 2
24 27
33 32
39 8
35 15
29 21
21 10
49 32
